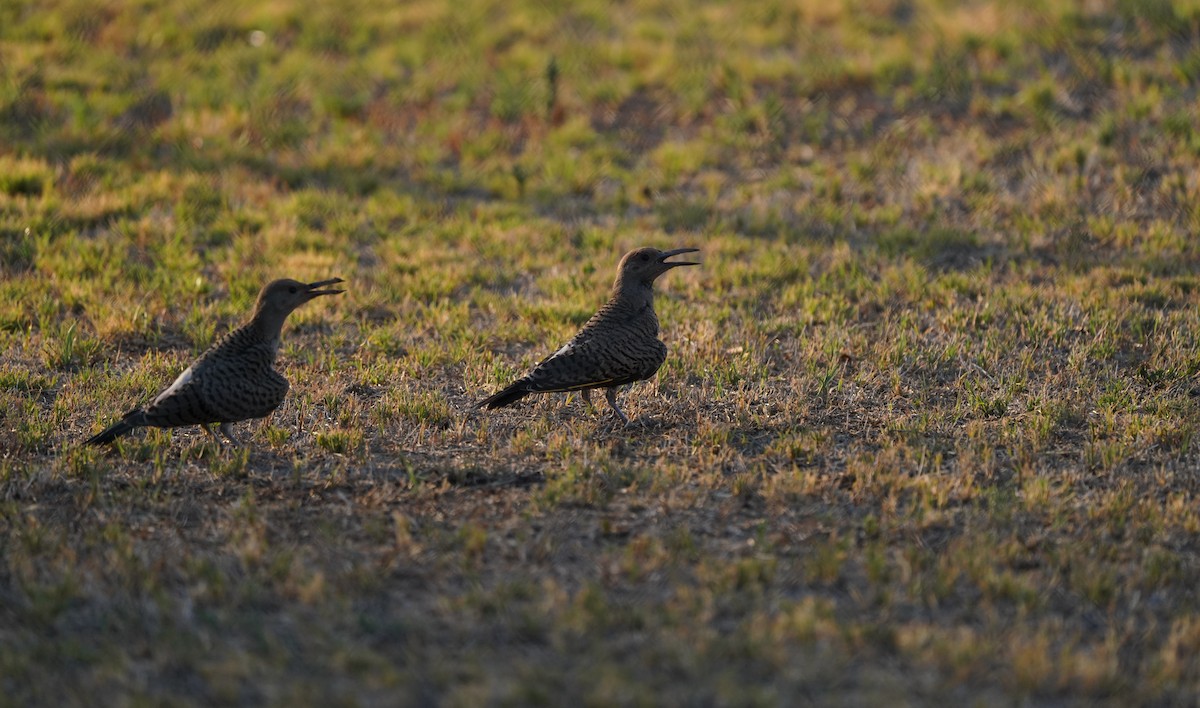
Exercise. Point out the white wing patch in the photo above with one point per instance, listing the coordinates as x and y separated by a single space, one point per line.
180 382
565 348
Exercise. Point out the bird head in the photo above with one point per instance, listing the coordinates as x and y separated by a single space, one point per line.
280 297
643 265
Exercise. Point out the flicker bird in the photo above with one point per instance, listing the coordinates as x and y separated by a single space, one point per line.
235 379
618 345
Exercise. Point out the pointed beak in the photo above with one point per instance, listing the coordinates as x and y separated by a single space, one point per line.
314 289
671 264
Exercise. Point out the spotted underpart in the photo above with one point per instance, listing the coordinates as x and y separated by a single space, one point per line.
618 345
235 379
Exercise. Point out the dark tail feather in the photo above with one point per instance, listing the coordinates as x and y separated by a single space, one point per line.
135 418
515 392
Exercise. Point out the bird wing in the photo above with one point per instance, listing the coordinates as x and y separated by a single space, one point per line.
595 358
234 380
181 403
180 383
218 393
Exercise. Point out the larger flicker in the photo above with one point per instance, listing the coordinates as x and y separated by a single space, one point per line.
618 345
234 379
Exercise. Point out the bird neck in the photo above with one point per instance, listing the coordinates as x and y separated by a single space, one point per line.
633 292
267 326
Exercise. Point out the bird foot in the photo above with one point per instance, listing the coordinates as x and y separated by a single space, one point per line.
226 431
611 396
640 423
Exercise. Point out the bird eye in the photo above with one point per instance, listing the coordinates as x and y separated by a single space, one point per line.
644 256
292 290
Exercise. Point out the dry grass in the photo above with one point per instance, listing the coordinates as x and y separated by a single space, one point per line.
925 433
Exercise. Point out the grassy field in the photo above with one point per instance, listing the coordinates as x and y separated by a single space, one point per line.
925 435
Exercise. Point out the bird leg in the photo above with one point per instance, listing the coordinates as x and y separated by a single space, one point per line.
227 431
611 395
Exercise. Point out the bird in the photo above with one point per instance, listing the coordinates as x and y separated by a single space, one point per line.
234 379
617 346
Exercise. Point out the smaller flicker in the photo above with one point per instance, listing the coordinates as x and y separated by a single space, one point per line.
618 345
234 379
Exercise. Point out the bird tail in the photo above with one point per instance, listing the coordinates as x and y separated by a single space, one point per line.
515 392
135 418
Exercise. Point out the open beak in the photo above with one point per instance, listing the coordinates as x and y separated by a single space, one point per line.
314 288
671 264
